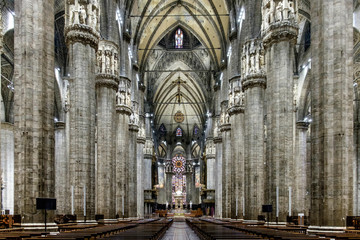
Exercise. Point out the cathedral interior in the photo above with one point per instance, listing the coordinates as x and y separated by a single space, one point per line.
122 109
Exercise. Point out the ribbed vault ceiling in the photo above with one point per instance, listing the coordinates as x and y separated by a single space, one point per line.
208 21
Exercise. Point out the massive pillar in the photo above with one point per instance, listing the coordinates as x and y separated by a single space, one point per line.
141 139
82 38
225 128
332 112
34 106
218 172
279 32
210 164
61 170
132 162
107 81
123 111
236 113
254 84
301 170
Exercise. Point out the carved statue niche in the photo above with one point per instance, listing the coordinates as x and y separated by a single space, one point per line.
73 12
83 14
108 62
242 98
279 11
128 97
99 61
118 98
116 64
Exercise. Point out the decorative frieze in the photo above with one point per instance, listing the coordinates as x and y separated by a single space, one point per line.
210 149
252 60
82 22
253 65
279 21
123 96
149 147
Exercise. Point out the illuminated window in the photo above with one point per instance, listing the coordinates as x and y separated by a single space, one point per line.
178 132
179 39
162 129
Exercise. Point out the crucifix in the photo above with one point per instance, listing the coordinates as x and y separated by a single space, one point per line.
178 82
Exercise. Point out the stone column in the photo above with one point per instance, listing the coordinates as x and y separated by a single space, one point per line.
279 33
82 37
332 112
107 82
218 173
61 170
225 128
123 111
140 171
34 106
254 84
236 113
210 164
2 176
148 155
7 165
301 170
132 162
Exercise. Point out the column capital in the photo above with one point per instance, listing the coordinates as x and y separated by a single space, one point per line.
225 127
279 21
82 34
254 80
302 125
279 32
59 125
236 110
123 109
218 139
133 127
107 80
141 140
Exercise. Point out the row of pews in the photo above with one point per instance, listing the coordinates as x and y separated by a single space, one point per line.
152 229
211 229
207 230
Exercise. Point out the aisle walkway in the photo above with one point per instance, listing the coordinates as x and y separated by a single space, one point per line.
180 231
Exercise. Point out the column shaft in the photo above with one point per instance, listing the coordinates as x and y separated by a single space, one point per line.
34 106
332 112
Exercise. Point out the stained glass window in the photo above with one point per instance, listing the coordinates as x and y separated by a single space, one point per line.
179 164
179 39
178 132
196 130
162 129
179 184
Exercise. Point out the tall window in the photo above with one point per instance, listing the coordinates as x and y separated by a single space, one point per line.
178 132
179 39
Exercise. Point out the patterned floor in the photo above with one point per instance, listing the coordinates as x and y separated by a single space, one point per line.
180 231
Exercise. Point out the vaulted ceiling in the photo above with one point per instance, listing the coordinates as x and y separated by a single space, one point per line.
208 20
205 20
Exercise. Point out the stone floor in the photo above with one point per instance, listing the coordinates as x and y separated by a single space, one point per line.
180 231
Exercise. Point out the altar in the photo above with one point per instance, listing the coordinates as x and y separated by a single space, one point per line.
179 201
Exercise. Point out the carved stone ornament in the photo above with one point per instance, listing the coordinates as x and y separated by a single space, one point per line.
279 21
82 22
107 62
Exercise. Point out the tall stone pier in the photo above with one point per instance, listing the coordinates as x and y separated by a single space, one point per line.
107 81
82 37
34 106
123 111
332 96
254 84
225 129
279 32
